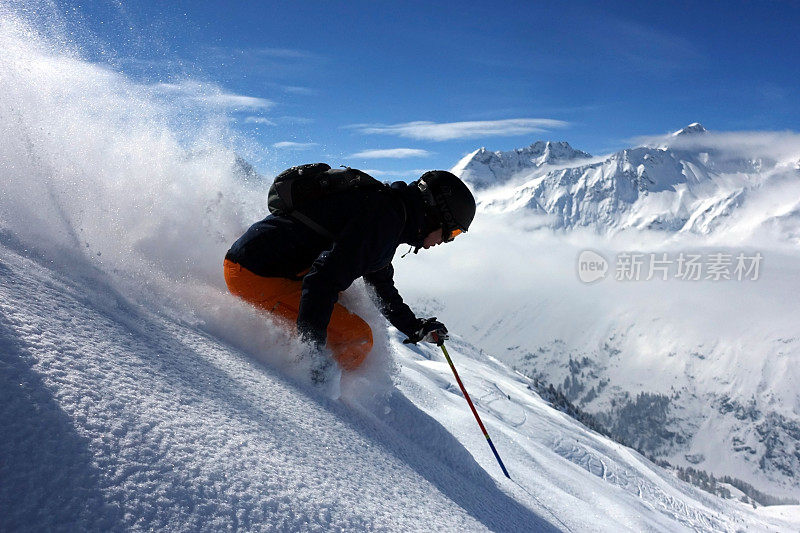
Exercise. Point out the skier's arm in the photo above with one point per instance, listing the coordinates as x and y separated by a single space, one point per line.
392 305
336 269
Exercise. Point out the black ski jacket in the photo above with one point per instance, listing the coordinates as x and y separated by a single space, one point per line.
368 226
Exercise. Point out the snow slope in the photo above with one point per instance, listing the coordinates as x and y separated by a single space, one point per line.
118 415
721 356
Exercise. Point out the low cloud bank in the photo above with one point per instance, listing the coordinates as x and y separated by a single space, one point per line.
780 146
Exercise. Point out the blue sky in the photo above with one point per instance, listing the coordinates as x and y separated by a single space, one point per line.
349 82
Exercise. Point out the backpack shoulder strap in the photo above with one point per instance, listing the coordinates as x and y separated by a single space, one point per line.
300 217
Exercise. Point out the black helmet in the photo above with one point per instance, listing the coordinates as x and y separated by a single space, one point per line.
449 198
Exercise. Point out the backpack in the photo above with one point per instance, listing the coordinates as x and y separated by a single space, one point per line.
296 187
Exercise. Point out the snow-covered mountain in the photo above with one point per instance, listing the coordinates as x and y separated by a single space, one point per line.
701 374
688 181
483 169
692 129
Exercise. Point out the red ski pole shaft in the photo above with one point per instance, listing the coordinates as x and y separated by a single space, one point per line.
474 411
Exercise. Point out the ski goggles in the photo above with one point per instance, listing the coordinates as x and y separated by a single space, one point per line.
448 236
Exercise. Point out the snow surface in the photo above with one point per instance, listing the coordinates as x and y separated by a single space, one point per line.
118 415
136 394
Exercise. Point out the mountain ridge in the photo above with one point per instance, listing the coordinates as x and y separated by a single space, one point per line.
655 186
503 166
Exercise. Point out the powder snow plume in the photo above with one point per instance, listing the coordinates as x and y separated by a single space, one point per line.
138 182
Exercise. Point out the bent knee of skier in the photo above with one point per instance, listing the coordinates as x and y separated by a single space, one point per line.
349 338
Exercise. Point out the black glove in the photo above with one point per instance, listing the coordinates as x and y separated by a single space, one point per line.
429 330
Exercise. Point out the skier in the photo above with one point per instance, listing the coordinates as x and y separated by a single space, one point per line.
293 268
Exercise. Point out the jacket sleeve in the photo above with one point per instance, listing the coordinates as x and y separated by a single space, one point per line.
392 305
355 250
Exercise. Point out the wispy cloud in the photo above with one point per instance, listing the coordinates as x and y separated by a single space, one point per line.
781 146
276 120
259 120
628 46
414 173
289 145
150 63
285 53
265 64
237 101
645 48
392 153
263 52
295 89
212 96
295 120
446 131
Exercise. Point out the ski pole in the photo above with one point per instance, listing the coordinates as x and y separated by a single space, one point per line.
474 412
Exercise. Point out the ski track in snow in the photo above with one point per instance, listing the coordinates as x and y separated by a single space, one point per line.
548 438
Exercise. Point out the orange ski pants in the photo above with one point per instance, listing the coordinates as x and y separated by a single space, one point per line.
349 337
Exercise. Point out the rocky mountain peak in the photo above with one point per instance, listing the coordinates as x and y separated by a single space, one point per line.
694 128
